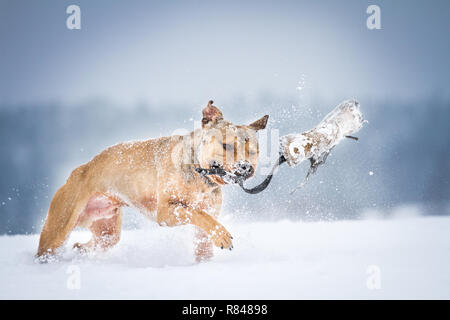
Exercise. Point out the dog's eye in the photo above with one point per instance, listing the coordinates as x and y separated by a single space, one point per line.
227 147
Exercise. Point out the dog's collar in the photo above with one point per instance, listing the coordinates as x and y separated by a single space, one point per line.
191 174
205 178
196 164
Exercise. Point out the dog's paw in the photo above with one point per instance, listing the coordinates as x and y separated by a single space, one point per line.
82 248
221 238
46 258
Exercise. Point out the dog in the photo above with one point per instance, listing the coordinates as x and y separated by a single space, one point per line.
157 177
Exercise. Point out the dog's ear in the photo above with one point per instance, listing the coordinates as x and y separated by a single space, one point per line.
211 114
260 123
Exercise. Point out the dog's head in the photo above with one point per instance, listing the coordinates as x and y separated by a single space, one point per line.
231 147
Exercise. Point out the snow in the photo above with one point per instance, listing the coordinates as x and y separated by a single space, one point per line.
403 258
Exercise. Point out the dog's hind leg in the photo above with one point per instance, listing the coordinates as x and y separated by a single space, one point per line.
106 232
103 216
65 208
203 246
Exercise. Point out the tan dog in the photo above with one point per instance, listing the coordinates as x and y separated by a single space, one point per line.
157 177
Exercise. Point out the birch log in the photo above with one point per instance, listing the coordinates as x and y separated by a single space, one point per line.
343 121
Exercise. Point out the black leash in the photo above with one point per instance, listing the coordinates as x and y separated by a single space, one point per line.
263 185
209 172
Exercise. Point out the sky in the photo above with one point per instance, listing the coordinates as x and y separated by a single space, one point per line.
190 51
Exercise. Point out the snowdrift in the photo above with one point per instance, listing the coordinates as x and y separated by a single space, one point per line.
403 258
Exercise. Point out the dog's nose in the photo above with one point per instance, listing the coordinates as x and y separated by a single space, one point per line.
244 169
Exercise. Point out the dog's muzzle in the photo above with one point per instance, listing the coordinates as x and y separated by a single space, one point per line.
242 170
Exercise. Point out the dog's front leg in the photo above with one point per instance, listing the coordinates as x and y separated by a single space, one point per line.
203 246
176 214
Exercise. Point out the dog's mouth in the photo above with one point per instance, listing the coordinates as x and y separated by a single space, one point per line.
238 175
241 175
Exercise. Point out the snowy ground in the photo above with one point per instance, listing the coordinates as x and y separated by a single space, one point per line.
403 258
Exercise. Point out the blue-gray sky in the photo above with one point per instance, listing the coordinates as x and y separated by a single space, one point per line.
189 51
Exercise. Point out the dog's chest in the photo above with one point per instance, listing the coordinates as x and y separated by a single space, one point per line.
207 199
